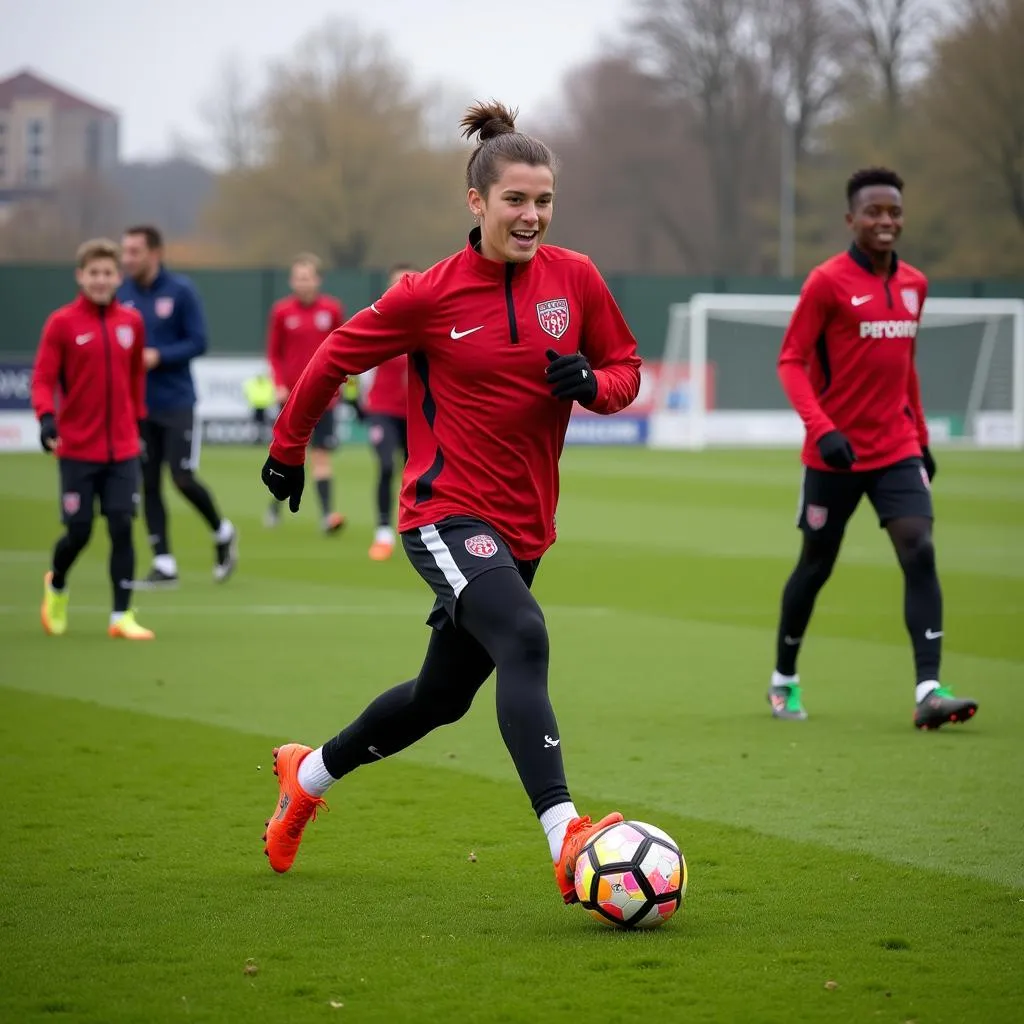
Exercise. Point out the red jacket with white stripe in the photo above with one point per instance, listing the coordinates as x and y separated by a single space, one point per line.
485 433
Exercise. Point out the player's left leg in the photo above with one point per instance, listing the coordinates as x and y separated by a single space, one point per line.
183 444
386 436
323 443
902 497
118 489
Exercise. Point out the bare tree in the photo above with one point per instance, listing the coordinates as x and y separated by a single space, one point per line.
892 37
231 115
343 166
975 95
709 53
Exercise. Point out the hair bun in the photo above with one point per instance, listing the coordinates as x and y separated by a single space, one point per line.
488 120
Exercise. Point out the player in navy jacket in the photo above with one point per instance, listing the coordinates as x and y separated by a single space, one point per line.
176 334
502 338
848 367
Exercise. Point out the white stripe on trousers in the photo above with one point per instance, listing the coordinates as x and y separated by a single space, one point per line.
443 557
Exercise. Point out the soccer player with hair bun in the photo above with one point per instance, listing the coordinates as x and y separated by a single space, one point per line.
847 366
502 337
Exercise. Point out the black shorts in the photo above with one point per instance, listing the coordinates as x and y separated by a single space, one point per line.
325 435
116 484
452 553
388 434
828 499
172 436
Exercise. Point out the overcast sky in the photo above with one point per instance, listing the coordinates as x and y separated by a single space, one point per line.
156 64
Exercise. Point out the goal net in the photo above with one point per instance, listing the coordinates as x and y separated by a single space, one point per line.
717 382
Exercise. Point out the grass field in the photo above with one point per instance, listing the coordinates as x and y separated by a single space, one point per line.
843 869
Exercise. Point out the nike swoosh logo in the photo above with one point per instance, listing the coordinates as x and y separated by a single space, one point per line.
859 300
83 339
932 634
375 309
274 472
792 641
549 742
455 335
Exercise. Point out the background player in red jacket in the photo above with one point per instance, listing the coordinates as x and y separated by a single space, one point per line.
88 391
502 337
296 327
847 366
385 406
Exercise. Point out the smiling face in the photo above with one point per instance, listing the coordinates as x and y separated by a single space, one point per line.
515 212
99 279
876 218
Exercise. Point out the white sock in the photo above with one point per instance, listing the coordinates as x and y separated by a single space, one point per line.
555 821
166 564
314 777
923 689
224 532
384 535
778 679
116 617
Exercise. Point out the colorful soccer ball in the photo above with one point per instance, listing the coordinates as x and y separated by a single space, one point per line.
631 875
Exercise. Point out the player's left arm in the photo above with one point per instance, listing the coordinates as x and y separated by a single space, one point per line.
192 342
609 345
914 398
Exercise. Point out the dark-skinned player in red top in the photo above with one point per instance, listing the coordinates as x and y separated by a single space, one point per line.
502 338
847 366
296 326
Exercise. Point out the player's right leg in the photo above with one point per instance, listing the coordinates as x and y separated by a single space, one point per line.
164 572
385 439
454 668
77 486
827 500
323 443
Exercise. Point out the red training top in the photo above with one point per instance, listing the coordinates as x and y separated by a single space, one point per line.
389 392
91 357
847 359
485 432
294 333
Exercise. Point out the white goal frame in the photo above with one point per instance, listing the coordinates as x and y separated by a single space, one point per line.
687 342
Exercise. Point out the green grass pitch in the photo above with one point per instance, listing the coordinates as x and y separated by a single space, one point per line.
843 869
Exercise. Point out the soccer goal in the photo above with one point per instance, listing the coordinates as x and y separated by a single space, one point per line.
717 384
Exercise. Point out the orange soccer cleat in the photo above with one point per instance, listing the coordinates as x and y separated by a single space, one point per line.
381 550
578 834
126 628
295 808
333 522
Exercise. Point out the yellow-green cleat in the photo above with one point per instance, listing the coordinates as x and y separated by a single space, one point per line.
54 610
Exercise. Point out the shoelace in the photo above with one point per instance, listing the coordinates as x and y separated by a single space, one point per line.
298 822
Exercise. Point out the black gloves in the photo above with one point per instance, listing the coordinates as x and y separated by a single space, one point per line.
284 482
929 463
836 451
571 377
48 432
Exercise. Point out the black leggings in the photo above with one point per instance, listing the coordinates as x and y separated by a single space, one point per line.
500 625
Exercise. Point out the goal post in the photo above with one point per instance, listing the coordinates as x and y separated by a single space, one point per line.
717 381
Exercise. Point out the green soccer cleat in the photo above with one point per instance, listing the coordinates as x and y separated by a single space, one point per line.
54 610
940 707
785 701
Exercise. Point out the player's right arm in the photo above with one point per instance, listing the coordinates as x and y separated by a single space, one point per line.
45 375
806 326
387 328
